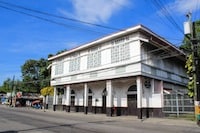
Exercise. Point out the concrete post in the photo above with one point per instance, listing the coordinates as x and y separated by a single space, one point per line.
85 98
68 98
109 97
54 99
139 96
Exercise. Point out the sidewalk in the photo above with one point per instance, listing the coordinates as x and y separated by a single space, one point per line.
156 121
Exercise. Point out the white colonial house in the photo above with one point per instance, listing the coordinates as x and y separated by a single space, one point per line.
125 73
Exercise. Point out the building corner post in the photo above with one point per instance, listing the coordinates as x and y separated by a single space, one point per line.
109 97
139 96
68 98
85 98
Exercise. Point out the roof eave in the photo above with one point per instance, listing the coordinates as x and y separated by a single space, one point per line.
101 40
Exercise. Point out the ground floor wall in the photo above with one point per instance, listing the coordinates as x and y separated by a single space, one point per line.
138 96
117 111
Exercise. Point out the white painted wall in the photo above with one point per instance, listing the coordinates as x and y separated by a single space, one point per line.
164 68
83 64
106 57
78 94
120 89
135 50
149 98
66 67
97 89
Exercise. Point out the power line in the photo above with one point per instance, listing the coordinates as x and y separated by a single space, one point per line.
52 21
61 17
57 16
159 5
196 15
162 20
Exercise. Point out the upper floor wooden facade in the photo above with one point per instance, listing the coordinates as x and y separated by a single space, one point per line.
132 52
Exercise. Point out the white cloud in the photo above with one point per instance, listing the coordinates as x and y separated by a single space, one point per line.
184 6
96 10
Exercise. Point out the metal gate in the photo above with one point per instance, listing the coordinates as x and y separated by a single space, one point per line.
176 103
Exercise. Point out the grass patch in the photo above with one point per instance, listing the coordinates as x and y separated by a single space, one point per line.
190 117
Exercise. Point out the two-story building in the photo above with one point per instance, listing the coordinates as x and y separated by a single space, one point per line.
125 73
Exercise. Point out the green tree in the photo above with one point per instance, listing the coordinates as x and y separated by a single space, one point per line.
186 47
7 86
35 75
46 91
189 67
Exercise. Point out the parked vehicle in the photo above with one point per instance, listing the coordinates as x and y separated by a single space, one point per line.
37 104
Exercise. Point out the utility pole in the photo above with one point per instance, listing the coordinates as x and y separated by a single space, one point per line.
189 28
12 90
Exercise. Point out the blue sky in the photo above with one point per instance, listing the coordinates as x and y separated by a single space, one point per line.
24 37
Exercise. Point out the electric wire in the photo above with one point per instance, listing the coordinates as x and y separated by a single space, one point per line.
158 4
169 16
53 21
197 7
43 18
61 17
161 20
153 7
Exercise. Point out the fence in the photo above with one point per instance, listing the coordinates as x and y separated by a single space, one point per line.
176 103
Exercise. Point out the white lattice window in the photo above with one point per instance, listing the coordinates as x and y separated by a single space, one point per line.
120 50
124 51
59 67
115 54
94 57
74 64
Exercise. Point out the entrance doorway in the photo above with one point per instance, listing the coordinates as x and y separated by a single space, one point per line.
104 101
72 105
89 100
132 100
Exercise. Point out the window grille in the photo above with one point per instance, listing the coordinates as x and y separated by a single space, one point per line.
74 64
120 51
94 57
59 67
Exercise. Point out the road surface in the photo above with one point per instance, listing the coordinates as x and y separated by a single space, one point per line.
24 120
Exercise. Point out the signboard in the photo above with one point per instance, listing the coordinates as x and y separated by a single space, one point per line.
197 110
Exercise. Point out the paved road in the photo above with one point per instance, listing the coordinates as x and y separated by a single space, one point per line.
23 120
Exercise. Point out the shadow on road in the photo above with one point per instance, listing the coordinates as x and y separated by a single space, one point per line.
56 127
9 132
69 126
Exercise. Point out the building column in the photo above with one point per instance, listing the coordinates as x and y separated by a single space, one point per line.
85 98
109 98
47 102
68 98
139 96
64 97
55 99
